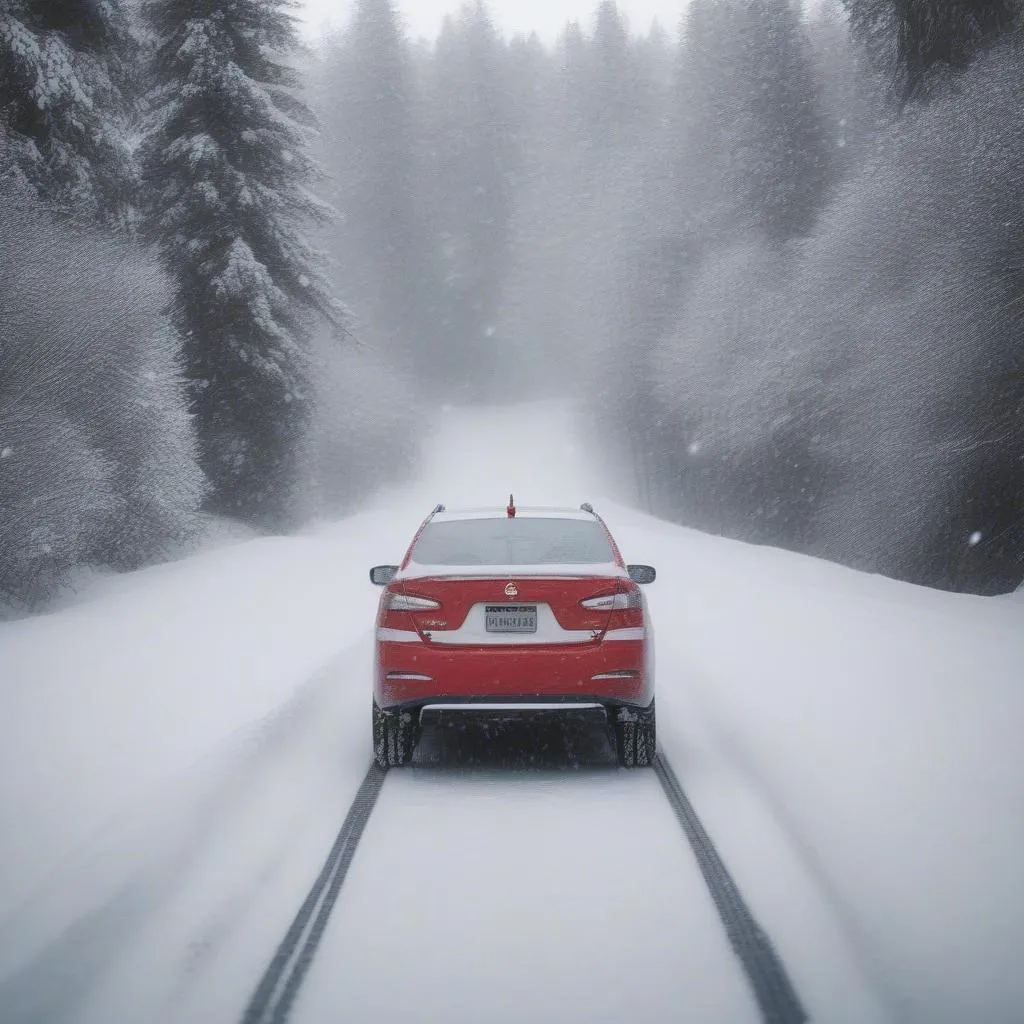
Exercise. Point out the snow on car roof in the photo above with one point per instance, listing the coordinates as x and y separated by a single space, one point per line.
578 570
522 512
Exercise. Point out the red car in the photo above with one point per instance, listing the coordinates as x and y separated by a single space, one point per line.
509 609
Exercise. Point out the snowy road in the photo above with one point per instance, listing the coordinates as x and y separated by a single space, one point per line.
568 896
180 748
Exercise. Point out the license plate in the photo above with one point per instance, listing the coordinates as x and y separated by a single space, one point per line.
511 618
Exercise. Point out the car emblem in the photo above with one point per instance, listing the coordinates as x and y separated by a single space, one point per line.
511 590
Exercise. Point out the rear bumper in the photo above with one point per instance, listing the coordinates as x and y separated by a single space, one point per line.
414 674
447 711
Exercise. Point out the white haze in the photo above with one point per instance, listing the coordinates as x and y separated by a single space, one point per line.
851 743
761 283
545 17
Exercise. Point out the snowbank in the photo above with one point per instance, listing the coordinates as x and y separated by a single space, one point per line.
881 724
104 703
197 729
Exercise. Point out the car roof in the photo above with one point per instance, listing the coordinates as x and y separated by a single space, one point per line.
450 515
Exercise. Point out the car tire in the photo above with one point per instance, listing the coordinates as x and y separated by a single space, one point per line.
394 737
636 737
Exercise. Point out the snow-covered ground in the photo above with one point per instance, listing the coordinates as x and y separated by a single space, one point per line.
178 748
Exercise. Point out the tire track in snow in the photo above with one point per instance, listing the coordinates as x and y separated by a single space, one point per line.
773 990
275 995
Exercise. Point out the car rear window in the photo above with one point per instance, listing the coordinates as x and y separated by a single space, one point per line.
513 542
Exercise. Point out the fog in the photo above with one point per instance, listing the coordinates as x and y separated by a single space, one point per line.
547 18
780 287
747 287
774 263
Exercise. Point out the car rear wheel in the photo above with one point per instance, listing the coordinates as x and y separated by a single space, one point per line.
635 736
394 737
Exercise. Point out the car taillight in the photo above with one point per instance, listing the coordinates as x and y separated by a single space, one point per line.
398 610
410 603
625 608
614 602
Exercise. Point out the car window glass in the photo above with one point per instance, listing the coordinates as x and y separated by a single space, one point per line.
513 542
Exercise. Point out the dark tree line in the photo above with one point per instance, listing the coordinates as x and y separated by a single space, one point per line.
909 40
227 178
420 147
167 333
778 256
824 315
68 88
442 156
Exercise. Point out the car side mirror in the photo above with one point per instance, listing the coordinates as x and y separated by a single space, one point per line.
642 573
382 575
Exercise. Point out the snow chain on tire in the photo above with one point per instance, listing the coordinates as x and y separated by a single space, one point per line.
394 737
635 736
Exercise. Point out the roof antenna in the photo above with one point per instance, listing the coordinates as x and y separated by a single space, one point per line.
511 507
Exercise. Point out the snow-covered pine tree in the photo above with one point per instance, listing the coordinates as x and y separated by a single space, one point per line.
572 53
747 123
853 97
226 169
66 81
907 39
472 200
611 94
98 460
386 259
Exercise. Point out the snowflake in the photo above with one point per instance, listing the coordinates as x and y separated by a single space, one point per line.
975 538
6 453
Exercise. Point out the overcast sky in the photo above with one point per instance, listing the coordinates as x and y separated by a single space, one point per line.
547 17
